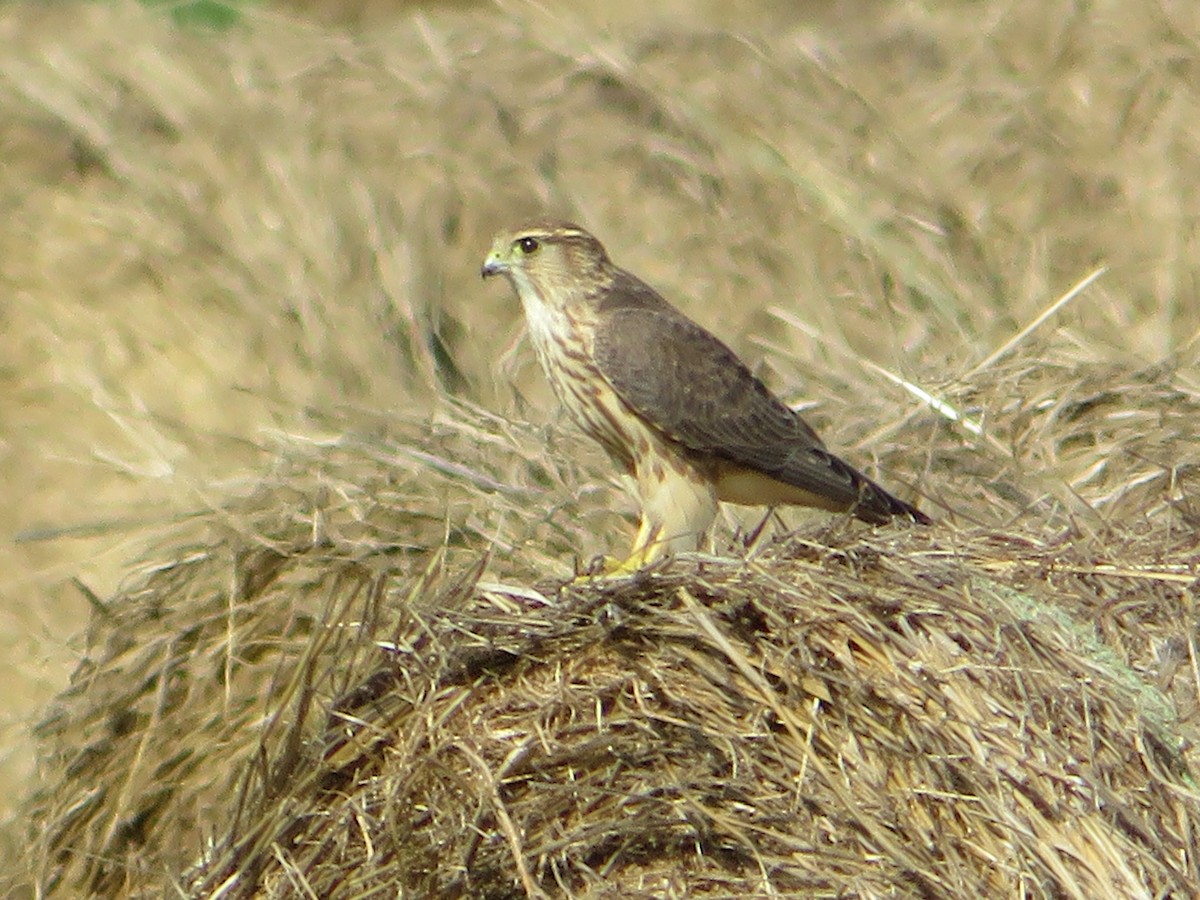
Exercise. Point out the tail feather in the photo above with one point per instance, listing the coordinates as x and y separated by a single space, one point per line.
874 504
878 506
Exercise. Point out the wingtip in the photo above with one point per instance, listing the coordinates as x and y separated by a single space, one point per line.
878 507
919 517
900 509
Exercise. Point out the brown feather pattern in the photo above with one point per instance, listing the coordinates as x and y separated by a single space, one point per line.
652 386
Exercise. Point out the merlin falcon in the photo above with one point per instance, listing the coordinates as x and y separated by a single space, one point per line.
670 403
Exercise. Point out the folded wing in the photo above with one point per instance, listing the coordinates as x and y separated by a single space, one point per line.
693 389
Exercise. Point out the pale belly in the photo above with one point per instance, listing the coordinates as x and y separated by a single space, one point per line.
747 487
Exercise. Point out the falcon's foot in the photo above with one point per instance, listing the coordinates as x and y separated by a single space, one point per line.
614 567
646 549
635 562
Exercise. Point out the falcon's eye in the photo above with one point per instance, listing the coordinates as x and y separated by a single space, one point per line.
528 245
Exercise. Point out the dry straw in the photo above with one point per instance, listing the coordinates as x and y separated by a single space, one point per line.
346 684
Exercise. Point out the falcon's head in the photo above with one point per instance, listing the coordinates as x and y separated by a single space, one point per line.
551 262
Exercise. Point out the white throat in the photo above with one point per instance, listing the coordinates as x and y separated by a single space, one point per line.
547 323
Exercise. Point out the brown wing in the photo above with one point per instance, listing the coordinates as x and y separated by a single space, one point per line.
695 390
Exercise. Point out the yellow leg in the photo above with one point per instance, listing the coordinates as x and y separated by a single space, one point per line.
676 514
647 547
678 505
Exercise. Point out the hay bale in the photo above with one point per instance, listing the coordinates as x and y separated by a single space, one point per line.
313 686
320 692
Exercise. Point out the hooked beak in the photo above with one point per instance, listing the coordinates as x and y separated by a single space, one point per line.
493 265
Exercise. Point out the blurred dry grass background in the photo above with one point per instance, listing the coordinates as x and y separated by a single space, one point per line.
218 247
